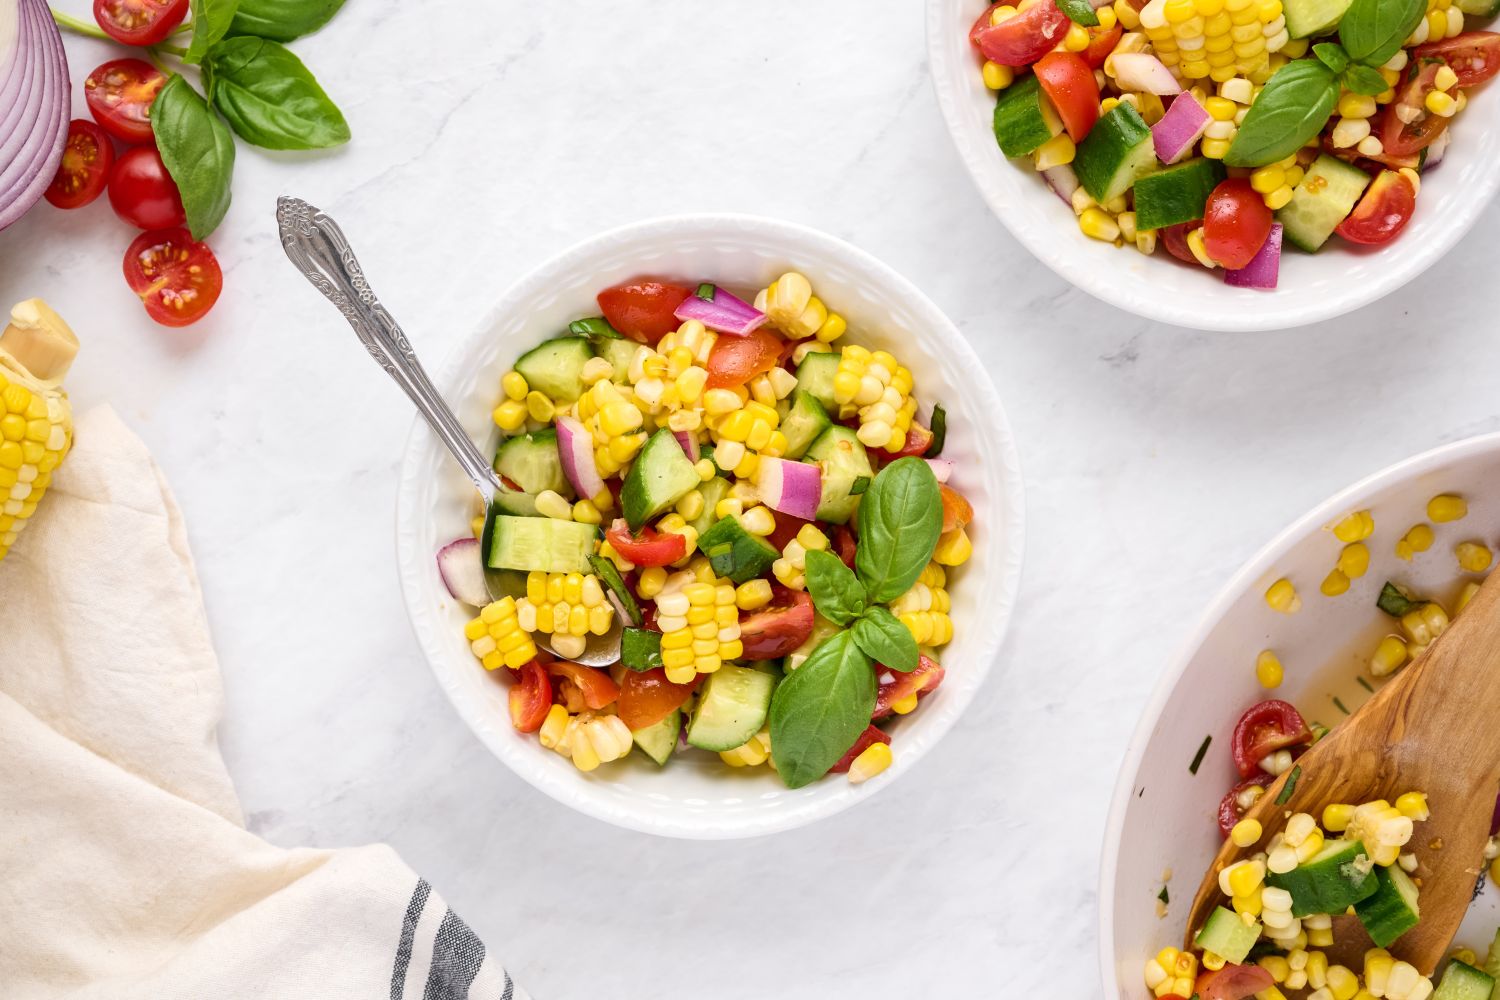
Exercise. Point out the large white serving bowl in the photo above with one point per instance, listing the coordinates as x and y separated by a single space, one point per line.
1163 817
696 796
1312 287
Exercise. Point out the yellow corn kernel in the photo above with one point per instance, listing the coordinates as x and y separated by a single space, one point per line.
752 594
1342 983
1096 224
584 512
1446 507
1214 149
1076 39
1465 596
875 759
1413 805
1389 655
510 416
905 706
1212 962
1355 527
691 505
1282 597
1128 17
998 77
1354 560
1056 151
1473 557
553 727
514 384
551 504
539 407
1334 584
758 520
651 581
1268 669
1276 965
1246 833
953 548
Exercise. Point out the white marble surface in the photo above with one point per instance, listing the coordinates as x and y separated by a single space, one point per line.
491 134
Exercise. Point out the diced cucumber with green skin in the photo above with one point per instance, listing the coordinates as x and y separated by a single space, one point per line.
732 706
1392 909
1306 18
1177 193
610 576
660 476
1227 936
1328 193
1331 881
713 491
842 459
555 368
658 741
1116 152
531 462
640 649
1480 8
803 423
1024 118
519 504
1492 965
541 544
1464 982
734 552
815 376
618 353
822 629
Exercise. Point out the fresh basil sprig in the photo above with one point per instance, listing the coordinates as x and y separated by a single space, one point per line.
283 20
836 591
1292 108
1372 30
900 519
1332 55
1364 80
885 640
211 21
820 710
269 97
198 152
1079 12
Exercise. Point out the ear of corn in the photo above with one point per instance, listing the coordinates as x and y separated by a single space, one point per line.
497 638
1214 39
567 606
36 420
881 390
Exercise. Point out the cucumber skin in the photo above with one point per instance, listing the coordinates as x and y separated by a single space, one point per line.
749 556
1020 125
640 500
807 421
815 376
539 367
1304 884
658 741
1114 141
1178 193
1385 914
1464 982
719 735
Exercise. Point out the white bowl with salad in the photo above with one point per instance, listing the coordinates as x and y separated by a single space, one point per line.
1304 633
1225 164
764 465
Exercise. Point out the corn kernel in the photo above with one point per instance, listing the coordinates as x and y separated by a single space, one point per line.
1447 507
874 759
1246 833
1282 597
514 384
1473 557
1268 670
1334 584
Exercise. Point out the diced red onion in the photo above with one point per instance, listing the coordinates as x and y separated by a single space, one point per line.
724 313
34 108
462 570
1263 267
689 442
1180 128
941 468
575 447
1062 181
1437 150
794 488
1141 71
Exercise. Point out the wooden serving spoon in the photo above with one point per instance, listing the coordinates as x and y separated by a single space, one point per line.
1435 728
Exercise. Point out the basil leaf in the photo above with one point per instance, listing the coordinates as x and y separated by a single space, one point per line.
270 98
836 592
1364 80
198 152
283 20
939 431
1332 55
1293 107
820 709
1079 12
211 20
885 640
1373 30
900 518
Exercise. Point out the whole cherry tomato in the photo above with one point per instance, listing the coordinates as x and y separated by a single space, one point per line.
1265 728
643 310
177 278
84 170
1236 223
119 94
142 192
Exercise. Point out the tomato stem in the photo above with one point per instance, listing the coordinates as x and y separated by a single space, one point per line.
176 50
79 27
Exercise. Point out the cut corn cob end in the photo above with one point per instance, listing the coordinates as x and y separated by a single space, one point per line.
36 420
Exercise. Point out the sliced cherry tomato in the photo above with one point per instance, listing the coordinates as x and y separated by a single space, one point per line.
736 360
1406 138
649 547
643 310
1474 55
177 278
119 95
1382 213
530 697
1265 728
1236 223
1233 982
1068 82
1174 238
920 682
844 544
1022 39
597 687
1102 42
777 630
84 170
648 697
871 736
142 192
139 22
918 440
1230 812
957 511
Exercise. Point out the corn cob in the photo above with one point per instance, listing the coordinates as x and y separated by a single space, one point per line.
1216 39
36 420
699 622
496 637
568 606
793 310
923 609
881 389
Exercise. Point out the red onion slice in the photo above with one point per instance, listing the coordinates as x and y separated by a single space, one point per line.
794 488
462 570
689 442
1180 128
575 447
724 313
1262 270
36 102
1142 71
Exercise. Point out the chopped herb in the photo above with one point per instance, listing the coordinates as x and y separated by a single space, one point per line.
1318 730
939 432
1198 757
1079 12
1163 895
611 577
859 485
1289 787
706 291
1365 684
1394 601
1340 705
593 326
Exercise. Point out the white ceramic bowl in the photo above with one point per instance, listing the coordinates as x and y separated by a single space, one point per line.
695 795
1312 287
1163 816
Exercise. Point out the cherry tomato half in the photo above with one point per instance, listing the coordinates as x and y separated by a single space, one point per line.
596 686
84 170
1102 42
1236 223
1174 238
177 278
643 310
920 682
1474 55
871 735
1069 84
736 360
1230 812
1406 138
1233 982
648 697
647 548
139 22
1022 39
119 95
530 697
957 511
1382 213
777 630
143 193
1265 728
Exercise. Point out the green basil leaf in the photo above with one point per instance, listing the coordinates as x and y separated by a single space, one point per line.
1373 30
836 592
939 431
820 709
885 640
1079 12
283 20
1293 107
211 20
900 519
1364 80
270 98
1332 55
198 152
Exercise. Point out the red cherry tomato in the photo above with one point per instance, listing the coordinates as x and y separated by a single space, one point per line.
1383 212
177 279
786 529
642 310
647 698
777 630
1230 812
530 697
1022 39
1407 138
139 22
1236 223
1102 42
957 511
1474 55
920 682
1265 728
1068 82
1174 238
1233 982
844 544
596 686
868 738
736 360
119 95
84 170
648 548
918 440
143 193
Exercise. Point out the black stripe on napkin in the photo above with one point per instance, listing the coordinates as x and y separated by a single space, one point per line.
408 935
457 954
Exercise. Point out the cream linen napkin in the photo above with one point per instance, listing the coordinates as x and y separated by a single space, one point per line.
125 871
